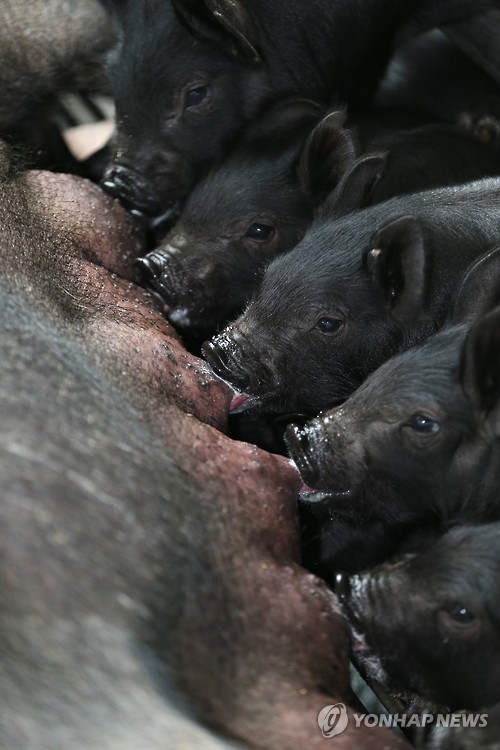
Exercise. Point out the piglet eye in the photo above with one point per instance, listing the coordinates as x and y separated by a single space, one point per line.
329 325
421 423
196 95
260 232
460 615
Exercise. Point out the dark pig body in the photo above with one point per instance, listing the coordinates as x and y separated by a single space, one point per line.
128 619
355 291
432 75
429 156
187 76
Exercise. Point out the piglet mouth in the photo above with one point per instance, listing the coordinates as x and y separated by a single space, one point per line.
141 201
358 643
310 495
160 303
238 402
182 301
250 403
244 402
163 220
169 311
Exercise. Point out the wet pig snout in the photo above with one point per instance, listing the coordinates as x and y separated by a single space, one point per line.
148 269
222 354
130 188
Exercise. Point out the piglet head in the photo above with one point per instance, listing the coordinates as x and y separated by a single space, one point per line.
205 271
419 438
384 452
427 623
185 78
331 310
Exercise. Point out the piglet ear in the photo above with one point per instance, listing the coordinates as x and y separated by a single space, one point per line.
280 124
479 291
226 22
395 261
355 187
480 364
326 156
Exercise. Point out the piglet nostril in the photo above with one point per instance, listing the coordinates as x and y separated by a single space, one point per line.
147 270
342 586
110 186
133 191
119 180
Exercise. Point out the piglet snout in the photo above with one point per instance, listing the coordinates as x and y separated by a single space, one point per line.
147 270
131 189
220 355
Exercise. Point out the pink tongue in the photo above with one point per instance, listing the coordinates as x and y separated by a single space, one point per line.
168 310
237 401
306 490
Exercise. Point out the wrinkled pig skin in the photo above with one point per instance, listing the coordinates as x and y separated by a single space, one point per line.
47 47
149 566
139 346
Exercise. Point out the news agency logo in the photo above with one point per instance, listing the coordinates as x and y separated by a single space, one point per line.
333 720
